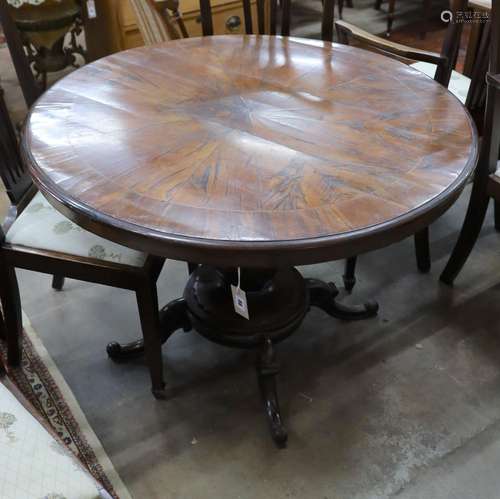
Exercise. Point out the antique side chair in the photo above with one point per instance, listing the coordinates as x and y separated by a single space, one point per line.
37 237
487 177
470 91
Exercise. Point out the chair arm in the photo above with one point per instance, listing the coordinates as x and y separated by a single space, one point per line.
347 30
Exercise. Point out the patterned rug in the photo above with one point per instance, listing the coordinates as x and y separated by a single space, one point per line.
42 384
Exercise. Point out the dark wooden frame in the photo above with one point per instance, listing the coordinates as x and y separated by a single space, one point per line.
391 9
285 5
445 62
141 280
486 184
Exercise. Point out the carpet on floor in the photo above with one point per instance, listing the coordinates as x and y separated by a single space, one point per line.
42 384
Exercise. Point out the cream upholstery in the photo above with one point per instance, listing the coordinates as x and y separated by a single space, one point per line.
41 226
33 464
459 84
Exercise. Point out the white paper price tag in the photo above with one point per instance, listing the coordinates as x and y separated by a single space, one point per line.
91 12
240 298
240 301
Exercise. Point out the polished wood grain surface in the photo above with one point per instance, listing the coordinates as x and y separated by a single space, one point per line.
266 150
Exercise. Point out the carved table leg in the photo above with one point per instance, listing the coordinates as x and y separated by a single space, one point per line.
172 317
267 369
322 295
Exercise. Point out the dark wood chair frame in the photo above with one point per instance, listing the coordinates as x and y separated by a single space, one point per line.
486 184
20 189
445 62
391 10
273 22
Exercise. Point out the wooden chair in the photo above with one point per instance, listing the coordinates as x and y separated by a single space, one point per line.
391 9
37 237
440 67
486 183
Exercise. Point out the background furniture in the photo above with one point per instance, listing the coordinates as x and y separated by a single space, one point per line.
116 26
440 67
486 181
255 20
31 89
391 9
481 10
249 176
43 28
158 22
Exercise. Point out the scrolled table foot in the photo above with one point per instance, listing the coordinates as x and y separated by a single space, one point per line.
126 351
267 370
323 295
173 316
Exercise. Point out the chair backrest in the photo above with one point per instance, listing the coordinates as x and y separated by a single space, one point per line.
446 60
476 96
14 175
490 145
30 88
158 21
269 22
451 43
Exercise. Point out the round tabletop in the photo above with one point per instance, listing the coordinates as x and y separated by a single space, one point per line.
250 150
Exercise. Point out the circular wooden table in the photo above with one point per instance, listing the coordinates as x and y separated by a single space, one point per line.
255 152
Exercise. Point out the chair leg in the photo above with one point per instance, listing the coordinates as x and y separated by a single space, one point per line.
497 215
57 282
349 276
11 306
341 8
422 250
390 16
471 228
378 4
147 301
427 15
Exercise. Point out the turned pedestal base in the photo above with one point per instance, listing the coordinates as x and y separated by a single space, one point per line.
278 301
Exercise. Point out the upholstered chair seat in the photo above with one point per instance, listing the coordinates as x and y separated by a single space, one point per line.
42 227
459 83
